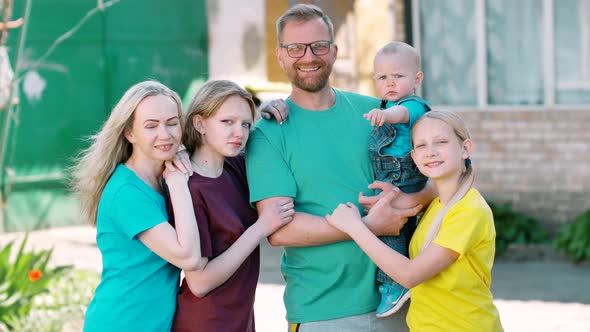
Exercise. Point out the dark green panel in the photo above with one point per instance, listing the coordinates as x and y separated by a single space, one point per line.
172 64
69 96
161 41
70 105
156 20
51 18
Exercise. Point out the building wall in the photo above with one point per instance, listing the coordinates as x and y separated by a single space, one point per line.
237 40
537 160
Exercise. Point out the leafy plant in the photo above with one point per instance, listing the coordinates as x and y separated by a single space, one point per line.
574 239
23 276
62 308
515 227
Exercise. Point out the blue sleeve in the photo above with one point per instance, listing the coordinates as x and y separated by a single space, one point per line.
415 109
133 211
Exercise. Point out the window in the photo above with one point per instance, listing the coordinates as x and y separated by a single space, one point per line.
504 53
572 51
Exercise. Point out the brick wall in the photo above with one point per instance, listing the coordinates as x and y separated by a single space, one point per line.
538 160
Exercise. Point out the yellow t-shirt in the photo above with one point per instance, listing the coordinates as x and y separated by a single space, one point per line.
459 297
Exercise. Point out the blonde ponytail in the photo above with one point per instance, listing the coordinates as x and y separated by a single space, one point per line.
466 183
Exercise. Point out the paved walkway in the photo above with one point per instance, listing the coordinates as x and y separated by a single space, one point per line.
533 296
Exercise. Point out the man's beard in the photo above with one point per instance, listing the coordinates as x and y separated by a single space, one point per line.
310 84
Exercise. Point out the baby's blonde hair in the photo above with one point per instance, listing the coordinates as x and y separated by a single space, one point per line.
397 47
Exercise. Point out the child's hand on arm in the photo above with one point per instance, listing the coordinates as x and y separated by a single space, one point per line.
274 216
346 218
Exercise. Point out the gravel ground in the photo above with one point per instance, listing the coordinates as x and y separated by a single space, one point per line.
551 295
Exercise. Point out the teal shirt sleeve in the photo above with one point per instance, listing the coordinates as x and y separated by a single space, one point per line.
415 110
268 172
134 211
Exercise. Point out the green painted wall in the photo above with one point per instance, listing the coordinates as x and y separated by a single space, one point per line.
72 92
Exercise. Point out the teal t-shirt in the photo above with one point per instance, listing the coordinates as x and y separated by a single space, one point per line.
320 159
402 144
138 289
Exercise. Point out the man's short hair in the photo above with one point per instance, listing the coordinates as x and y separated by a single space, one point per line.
303 13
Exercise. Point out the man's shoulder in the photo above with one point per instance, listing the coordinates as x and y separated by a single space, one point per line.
356 101
356 96
265 126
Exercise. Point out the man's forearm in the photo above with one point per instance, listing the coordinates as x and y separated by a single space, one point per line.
306 230
426 195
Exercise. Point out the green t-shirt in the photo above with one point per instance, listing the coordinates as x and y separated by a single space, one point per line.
320 159
137 291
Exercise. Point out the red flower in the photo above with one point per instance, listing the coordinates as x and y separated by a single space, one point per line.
35 275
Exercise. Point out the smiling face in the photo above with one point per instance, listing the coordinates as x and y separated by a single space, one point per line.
396 75
155 132
311 72
226 132
437 150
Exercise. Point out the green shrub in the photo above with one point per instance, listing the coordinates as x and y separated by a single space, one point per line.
62 308
515 227
24 275
574 239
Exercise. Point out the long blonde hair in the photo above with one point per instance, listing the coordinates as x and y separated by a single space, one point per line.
205 103
94 166
467 177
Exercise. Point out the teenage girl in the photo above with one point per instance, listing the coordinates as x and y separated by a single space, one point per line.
452 251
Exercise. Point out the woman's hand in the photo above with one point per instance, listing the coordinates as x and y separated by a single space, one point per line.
275 216
182 161
173 174
345 218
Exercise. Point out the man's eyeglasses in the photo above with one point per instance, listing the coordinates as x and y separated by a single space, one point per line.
297 50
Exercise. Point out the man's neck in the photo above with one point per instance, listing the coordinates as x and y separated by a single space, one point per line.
314 101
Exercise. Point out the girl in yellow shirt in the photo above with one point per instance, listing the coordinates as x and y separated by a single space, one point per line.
452 251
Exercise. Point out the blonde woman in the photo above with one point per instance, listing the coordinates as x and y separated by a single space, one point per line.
452 251
219 296
119 182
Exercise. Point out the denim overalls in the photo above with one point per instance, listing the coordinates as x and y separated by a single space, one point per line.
401 172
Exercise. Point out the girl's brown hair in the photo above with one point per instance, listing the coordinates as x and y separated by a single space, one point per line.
205 103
